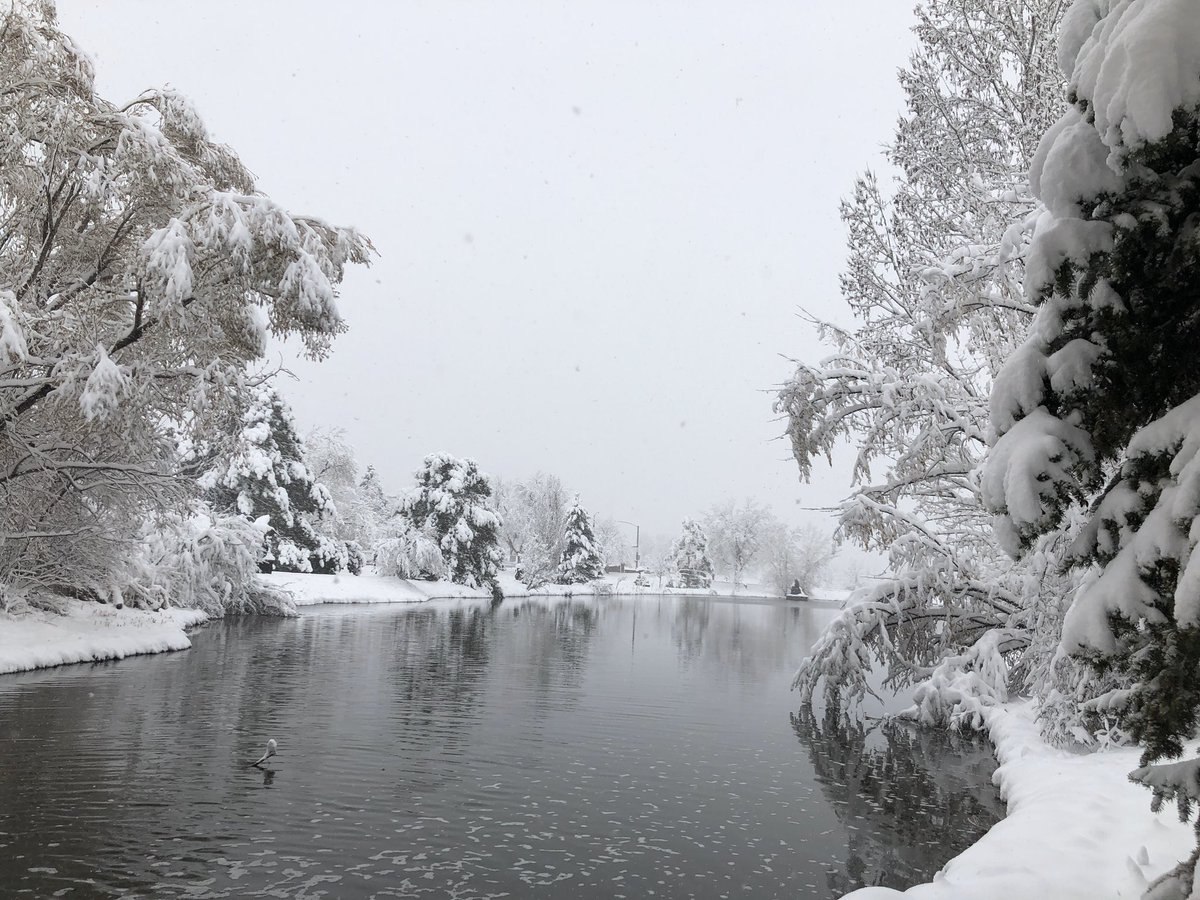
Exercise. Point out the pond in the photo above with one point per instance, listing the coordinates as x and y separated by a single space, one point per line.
594 748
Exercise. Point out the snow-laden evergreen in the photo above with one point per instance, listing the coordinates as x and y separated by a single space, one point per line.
267 474
452 505
689 557
581 561
1101 404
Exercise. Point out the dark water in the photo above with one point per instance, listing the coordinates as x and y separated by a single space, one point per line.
580 749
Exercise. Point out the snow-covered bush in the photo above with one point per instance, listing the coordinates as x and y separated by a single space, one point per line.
407 552
355 560
537 565
203 561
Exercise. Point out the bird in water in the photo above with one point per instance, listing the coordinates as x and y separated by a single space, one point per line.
270 752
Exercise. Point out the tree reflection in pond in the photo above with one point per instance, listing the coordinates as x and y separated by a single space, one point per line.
908 796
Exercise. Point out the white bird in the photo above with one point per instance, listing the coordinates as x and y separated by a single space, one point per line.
270 752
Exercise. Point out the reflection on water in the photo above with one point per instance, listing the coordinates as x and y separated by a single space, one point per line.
587 748
909 797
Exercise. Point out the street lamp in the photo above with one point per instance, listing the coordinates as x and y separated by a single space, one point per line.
637 544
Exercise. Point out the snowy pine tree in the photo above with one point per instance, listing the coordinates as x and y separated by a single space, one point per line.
268 475
452 504
580 562
1102 402
689 557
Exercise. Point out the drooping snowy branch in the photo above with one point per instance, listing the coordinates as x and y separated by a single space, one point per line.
140 273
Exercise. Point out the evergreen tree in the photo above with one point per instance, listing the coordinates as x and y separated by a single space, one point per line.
581 560
452 504
268 475
1102 401
689 557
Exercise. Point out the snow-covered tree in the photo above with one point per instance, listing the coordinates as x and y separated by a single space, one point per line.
795 554
735 535
610 540
1101 403
334 464
380 505
689 557
534 513
934 277
268 475
452 505
140 272
580 561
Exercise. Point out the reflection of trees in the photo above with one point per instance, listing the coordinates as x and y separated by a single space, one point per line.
555 642
690 625
438 663
916 797
751 639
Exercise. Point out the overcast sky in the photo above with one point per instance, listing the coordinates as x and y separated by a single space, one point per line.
595 219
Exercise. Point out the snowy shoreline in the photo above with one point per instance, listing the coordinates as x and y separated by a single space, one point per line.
90 632
1076 827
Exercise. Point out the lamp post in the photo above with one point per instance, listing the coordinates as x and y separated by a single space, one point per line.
637 544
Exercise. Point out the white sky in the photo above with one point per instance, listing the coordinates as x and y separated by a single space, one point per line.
595 218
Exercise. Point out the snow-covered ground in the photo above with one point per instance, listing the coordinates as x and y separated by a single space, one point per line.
309 590
89 632
1077 828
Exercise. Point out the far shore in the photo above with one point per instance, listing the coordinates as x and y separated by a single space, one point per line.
81 632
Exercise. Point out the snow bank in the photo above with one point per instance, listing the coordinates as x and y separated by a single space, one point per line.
1076 828
90 632
309 590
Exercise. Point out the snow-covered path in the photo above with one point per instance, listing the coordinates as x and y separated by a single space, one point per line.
1076 829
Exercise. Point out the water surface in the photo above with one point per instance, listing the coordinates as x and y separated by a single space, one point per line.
614 747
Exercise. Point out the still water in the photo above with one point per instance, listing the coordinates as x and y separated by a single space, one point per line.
615 747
